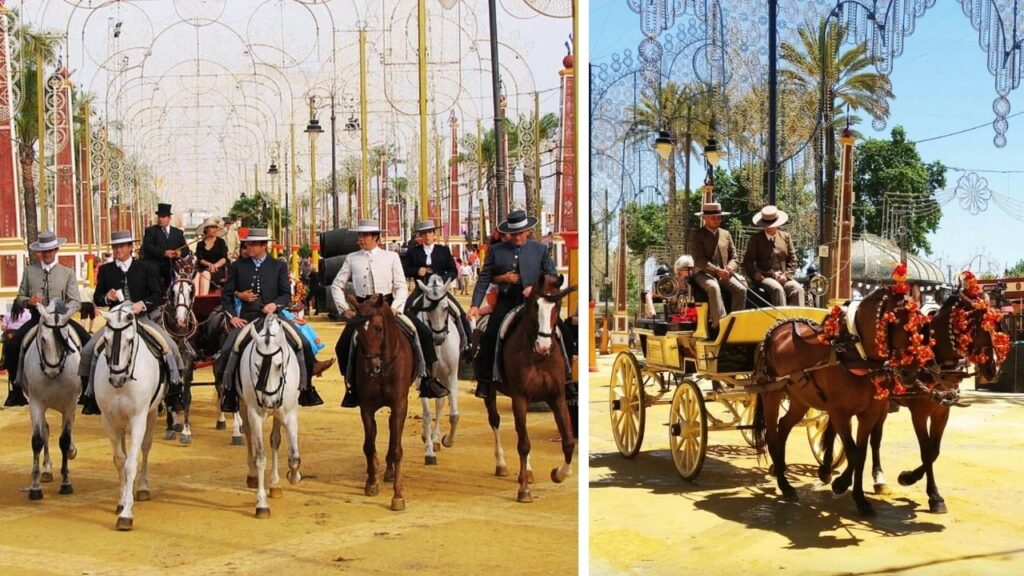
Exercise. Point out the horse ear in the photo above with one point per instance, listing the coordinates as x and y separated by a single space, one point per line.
420 285
448 284
561 279
378 300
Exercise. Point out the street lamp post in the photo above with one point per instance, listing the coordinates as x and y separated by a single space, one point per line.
275 185
313 129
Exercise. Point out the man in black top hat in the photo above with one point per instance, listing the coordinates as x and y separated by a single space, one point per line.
426 258
162 244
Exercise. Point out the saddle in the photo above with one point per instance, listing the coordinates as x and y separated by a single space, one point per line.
30 336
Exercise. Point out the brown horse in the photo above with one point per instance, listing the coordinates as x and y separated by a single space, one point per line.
833 378
534 370
958 330
384 368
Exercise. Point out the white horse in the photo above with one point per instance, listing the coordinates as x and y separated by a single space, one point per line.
49 372
268 375
180 322
128 391
443 318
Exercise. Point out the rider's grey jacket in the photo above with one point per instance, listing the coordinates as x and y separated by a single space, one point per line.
59 283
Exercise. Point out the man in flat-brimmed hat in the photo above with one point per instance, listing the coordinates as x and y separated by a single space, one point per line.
263 286
128 279
714 257
426 258
375 271
44 280
770 259
514 265
162 244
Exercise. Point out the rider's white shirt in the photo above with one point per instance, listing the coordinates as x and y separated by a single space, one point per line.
371 272
427 249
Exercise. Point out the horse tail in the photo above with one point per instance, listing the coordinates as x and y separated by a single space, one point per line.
758 424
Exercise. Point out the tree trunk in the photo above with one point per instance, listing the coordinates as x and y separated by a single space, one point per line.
675 226
27 156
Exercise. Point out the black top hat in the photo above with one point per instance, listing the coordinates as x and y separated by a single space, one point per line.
517 221
163 209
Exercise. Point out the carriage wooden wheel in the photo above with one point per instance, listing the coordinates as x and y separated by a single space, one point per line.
688 429
817 423
627 404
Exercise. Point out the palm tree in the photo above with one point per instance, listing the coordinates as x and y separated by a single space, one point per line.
26 120
484 162
844 79
547 126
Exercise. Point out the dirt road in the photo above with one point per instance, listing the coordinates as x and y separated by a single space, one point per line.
644 519
460 517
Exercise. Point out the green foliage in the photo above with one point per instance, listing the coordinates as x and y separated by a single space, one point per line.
1016 271
256 210
632 292
305 251
894 167
646 226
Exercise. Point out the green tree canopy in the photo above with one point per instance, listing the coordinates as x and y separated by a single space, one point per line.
894 168
646 226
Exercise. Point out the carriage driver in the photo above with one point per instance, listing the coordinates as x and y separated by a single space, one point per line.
162 244
770 258
428 258
262 285
515 266
375 271
714 256
44 281
138 282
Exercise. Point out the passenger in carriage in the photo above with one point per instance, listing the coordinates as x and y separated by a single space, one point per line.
428 257
714 257
42 282
211 257
770 259
137 281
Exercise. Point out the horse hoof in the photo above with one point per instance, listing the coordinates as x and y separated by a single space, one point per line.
46 477
882 489
142 496
221 425
501 470
555 477
73 453
263 513
236 440
66 489
252 482
529 477
118 509
789 494
372 489
905 479
185 439
839 487
177 427
389 476
293 476
430 460
170 434
937 506
276 492
124 524
447 441
397 504
35 494
524 497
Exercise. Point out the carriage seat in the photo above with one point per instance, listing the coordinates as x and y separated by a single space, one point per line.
700 295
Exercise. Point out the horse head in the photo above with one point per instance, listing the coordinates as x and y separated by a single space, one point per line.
269 343
372 318
546 297
181 296
436 305
119 337
52 338
968 328
890 326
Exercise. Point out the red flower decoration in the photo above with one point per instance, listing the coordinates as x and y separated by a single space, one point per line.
971 288
831 326
899 276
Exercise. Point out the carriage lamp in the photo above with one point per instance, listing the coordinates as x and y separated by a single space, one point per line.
712 154
273 170
664 144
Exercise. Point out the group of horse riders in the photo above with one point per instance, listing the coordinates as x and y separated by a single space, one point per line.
257 285
769 261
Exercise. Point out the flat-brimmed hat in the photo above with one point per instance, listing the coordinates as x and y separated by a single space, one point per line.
517 221
121 237
770 217
712 209
257 235
163 209
367 227
424 226
46 241
211 221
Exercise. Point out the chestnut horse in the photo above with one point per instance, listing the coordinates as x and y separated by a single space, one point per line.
833 378
534 367
383 369
930 399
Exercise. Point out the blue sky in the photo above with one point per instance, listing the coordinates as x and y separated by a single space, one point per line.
942 85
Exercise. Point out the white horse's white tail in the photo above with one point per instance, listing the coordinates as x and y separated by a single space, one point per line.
49 373
128 391
268 374
442 318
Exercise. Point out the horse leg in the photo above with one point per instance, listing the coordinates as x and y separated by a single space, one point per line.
396 422
519 405
494 419
843 428
142 491
560 408
940 416
372 487
138 431
291 425
877 475
255 421
250 449
775 438
275 444
39 441
828 437
448 440
428 432
236 431
866 424
67 450
435 429
169 433
47 473
117 437
186 399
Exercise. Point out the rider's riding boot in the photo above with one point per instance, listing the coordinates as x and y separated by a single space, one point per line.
228 400
321 367
88 399
350 400
173 398
15 397
483 388
431 387
309 397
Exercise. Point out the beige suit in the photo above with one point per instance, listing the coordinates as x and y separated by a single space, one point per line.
775 258
713 251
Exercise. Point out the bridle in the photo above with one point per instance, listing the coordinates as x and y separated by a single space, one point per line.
182 300
61 341
268 398
434 304
113 352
